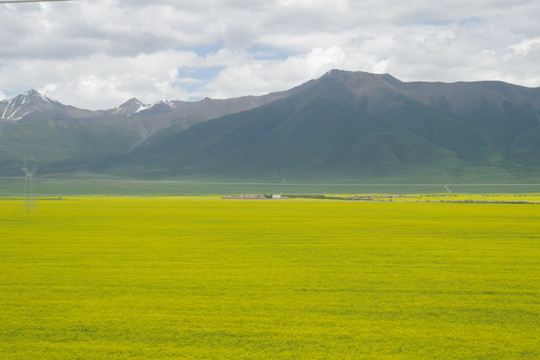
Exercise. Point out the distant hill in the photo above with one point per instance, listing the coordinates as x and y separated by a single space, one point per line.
66 139
358 125
343 125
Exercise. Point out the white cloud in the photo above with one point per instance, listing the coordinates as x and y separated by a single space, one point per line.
526 46
97 54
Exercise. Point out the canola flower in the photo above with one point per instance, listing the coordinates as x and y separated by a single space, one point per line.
127 278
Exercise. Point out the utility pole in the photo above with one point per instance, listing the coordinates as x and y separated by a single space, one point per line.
29 168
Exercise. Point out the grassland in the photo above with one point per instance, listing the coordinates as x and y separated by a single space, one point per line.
112 186
126 278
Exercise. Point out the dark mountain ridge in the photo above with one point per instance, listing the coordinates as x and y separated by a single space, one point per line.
32 105
347 125
357 125
65 139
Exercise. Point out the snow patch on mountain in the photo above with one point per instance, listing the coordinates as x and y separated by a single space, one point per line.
161 106
128 108
23 104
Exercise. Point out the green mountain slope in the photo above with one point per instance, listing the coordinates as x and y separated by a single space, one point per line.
60 145
343 125
369 127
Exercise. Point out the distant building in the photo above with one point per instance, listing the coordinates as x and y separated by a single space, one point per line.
276 196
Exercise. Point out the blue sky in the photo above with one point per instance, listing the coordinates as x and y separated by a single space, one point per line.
98 53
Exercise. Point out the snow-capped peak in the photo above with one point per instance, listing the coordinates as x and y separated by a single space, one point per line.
33 95
157 107
167 102
129 107
23 104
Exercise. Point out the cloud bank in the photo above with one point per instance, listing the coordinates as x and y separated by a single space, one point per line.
97 54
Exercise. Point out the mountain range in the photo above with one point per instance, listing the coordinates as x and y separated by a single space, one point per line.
342 125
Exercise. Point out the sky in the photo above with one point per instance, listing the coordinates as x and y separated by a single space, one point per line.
96 54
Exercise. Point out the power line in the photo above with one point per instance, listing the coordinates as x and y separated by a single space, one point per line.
30 1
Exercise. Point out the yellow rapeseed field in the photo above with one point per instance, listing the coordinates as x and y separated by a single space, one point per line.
149 278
